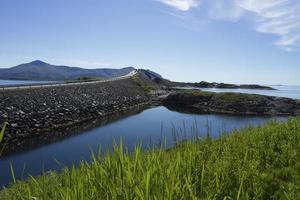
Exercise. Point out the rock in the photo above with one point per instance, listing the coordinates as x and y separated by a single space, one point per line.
204 84
21 112
36 111
14 125
231 103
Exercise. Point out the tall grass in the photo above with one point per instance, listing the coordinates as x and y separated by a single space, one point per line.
255 163
2 131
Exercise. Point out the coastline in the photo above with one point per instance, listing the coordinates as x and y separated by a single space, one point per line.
38 112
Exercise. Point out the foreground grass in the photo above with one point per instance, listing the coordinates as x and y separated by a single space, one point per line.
2 130
255 163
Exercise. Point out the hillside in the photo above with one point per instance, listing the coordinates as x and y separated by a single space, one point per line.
39 70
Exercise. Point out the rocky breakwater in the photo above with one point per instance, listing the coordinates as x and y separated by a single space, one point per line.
32 112
231 103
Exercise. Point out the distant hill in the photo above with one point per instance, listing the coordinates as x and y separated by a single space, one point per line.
41 71
204 84
157 78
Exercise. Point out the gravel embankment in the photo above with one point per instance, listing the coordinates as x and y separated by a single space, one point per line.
36 111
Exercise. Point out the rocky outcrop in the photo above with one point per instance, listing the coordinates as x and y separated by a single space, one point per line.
204 84
255 86
231 103
33 112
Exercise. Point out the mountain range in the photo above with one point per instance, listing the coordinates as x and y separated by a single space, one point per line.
41 71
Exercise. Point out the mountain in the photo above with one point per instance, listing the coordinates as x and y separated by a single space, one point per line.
41 71
157 78
150 74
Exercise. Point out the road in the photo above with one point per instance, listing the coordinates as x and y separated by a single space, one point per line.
131 74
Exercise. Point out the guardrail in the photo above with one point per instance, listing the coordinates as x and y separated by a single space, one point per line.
11 87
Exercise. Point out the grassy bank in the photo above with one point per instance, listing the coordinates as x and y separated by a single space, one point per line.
146 87
255 163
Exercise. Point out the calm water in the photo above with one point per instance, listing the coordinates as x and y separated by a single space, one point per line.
148 127
19 82
282 91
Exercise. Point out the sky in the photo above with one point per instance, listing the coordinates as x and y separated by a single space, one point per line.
234 41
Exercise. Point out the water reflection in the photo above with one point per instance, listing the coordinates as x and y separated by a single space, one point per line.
149 126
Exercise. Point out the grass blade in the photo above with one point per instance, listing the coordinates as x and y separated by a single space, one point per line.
2 131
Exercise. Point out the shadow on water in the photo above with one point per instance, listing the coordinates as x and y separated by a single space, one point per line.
186 110
75 130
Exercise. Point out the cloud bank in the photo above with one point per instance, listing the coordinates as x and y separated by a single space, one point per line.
277 17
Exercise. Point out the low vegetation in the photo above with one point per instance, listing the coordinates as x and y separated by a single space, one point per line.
85 79
226 96
255 163
146 87
204 84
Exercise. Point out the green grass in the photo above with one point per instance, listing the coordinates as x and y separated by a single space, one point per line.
2 132
146 87
226 96
238 96
197 92
255 163
84 79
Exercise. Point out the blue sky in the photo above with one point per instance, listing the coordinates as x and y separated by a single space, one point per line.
237 41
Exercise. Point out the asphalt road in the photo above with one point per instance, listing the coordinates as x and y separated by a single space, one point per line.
68 84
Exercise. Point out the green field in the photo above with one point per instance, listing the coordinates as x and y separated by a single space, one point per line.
255 163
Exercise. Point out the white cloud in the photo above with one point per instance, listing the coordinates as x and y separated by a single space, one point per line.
183 5
224 10
277 17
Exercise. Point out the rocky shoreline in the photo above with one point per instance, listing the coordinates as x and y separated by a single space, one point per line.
204 84
231 103
45 114
37 112
60 133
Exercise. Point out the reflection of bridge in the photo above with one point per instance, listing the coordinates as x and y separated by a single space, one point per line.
132 73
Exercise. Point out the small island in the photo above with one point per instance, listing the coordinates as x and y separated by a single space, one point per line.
231 103
204 84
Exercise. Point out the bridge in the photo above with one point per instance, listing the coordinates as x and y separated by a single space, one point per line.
131 74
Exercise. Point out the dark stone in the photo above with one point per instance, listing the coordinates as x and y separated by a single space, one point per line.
231 103
204 84
36 111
